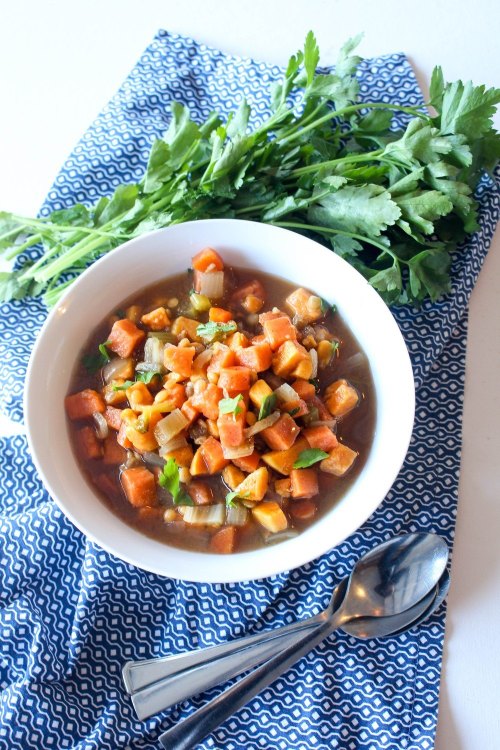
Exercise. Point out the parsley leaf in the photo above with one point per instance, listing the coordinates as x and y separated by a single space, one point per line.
215 331
231 405
169 480
140 377
231 497
94 362
267 407
124 386
309 457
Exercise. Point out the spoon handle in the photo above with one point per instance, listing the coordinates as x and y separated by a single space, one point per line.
188 733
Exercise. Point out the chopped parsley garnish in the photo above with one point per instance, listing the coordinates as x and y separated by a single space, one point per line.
231 405
309 457
140 377
215 331
231 497
169 480
268 406
94 362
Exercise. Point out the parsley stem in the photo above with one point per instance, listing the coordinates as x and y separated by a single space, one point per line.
18 249
371 155
328 230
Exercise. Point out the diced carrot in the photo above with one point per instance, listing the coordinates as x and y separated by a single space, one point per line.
87 444
339 461
232 476
283 487
83 404
139 486
122 438
206 397
211 451
303 510
113 417
321 437
282 461
259 391
190 411
182 456
270 516
138 395
124 337
172 393
231 427
200 493
304 389
179 359
271 315
223 356
219 315
113 451
248 463
156 320
254 486
304 369
282 434
206 258
198 465
234 380
183 327
253 287
304 483
223 542
257 357
341 397
237 340
278 330
287 357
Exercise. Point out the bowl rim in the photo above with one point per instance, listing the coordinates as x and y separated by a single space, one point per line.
218 575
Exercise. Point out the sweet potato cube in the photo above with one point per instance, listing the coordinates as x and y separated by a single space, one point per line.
248 463
321 437
341 397
232 476
179 359
283 487
206 398
296 408
237 341
283 461
183 327
124 337
113 417
122 438
182 456
234 380
156 320
259 392
307 307
304 483
211 451
304 369
190 411
198 465
277 330
339 461
288 357
257 357
223 542
304 389
254 486
83 404
270 516
139 486
219 315
87 444
223 356
113 453
231 427
282 434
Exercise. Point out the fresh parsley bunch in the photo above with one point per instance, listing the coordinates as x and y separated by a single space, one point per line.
395 205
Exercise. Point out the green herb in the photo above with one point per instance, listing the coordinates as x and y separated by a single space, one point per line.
309 457
315 383
231 496
394 204
140 377
231 405
124 386
215 331
295 411
169 479
94 362
268 405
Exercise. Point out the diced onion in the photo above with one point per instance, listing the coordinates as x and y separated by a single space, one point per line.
208 515
240 451
153 459
115 369
170 426
286 393
153 351
203 359
314 360
280 536
236 515
262 424
102 429
148 367
179 441
210 284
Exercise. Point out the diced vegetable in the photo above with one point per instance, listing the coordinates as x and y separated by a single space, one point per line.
113 417
339 461
232 428
252 288
270 516
84 404
101 426
236 515
258 392
287 358
118 368
326 350
234 380
124 337
262 424
170 426
206 398
153 351
213 457
113 452
278 330
304 483
87 444
306 307
285 393
282 434
282 461
232 476
341 397
182 456
208 515
283 487
222 356
219 315
237 452
249 462
200 302
122 438
208 259
254 486
156 320
139 486
209 284
179 359
224 541
320 437
304 389
184 327
256 357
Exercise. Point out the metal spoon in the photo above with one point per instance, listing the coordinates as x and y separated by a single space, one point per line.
391 582
428 554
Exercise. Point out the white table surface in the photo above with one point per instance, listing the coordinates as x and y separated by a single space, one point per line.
61 61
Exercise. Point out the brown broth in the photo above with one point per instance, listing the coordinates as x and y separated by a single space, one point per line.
355 430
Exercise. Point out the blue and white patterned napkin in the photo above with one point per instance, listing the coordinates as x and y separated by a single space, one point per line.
71 614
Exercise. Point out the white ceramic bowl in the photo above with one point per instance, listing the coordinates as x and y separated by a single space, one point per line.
149 258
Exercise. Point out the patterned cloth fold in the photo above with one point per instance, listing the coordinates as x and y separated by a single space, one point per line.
72 614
